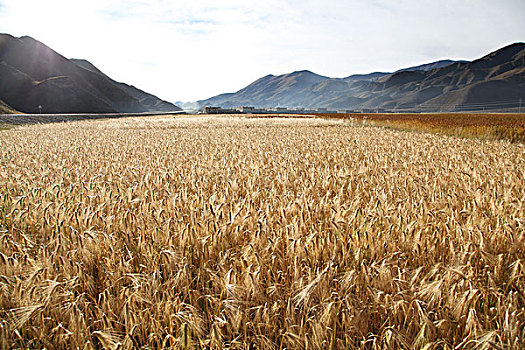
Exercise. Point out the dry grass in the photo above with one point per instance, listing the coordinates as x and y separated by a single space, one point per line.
489 126
258 233
4 126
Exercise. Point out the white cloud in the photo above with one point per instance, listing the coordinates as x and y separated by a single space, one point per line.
195 49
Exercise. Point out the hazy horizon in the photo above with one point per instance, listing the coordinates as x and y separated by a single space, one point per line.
194 50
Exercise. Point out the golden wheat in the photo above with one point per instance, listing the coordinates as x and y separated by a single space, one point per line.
199 232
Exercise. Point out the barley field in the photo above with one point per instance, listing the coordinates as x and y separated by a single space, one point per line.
489 126
258 233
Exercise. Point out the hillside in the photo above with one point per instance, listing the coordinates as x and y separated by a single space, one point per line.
34 75
6 109
433 65
495 82
287 89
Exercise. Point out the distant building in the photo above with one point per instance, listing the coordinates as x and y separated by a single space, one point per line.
246 109
211 110
219 110
310 111
277 109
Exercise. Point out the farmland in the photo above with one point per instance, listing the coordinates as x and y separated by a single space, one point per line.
219 232
490 126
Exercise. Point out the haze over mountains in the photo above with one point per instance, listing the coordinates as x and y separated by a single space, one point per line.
33 75
493 82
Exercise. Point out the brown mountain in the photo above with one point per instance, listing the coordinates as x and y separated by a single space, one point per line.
32 75
271 90
493 82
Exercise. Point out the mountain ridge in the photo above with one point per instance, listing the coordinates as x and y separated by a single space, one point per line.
443 85
35 78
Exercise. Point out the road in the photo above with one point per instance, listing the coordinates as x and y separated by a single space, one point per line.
20 119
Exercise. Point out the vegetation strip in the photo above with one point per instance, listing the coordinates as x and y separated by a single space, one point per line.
488 126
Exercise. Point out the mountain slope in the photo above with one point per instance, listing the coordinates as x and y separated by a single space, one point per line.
32 75
6 109
433 65
283 90
495 81
370 76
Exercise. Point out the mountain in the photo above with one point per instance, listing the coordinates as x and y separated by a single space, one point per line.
423 67
33 75
433 65
493 82
283 90
370 76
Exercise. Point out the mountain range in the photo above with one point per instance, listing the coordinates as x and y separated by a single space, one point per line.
493 82
34 78
33 75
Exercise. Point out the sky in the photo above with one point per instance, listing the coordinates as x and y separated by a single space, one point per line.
190 50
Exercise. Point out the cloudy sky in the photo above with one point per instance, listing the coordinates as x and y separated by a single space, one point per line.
194 49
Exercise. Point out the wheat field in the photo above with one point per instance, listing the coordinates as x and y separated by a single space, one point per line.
258 233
